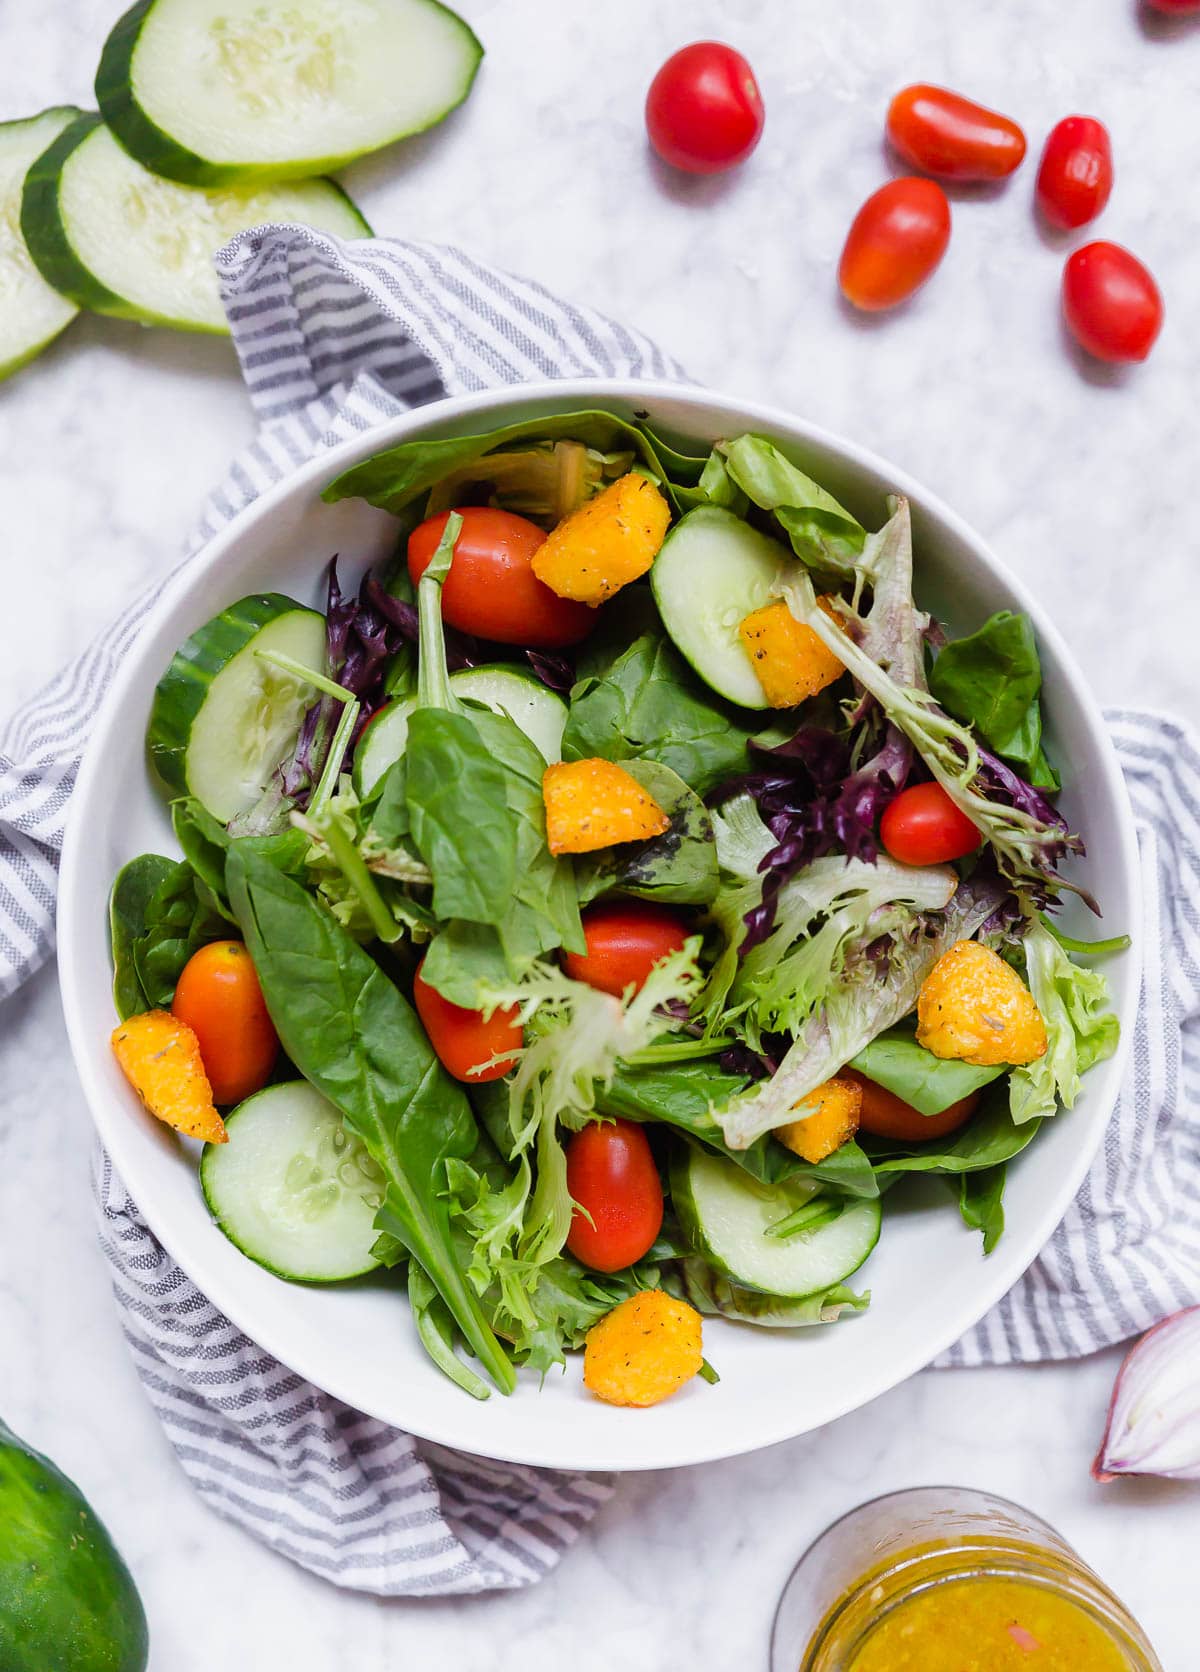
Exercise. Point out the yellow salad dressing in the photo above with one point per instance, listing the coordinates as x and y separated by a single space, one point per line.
983 1624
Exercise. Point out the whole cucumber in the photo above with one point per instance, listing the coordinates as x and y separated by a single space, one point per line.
67 1600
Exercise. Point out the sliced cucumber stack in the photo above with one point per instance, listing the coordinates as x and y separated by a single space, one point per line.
223 716
225 92
119 240
726 1215
31 313
536 710
712 572
292 1188
530 705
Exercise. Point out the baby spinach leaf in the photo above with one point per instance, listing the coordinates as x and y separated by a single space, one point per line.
205 842
684 1094
135 887
981 1203
182 915
457 801
895 1061
678 868
989 1137
352 1035
823 533
648 706
991 680
395 477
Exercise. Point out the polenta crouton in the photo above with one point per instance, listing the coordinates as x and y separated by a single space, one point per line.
975 1007
644 1350
791 661
593 804
826 1119
160 1057
607 543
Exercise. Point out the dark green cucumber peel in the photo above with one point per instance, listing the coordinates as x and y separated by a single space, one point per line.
67 1600
129 123
158 151
180 693
45 235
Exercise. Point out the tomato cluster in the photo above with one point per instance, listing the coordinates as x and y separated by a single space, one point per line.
1110 301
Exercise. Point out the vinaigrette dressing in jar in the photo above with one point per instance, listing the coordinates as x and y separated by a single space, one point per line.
942 1579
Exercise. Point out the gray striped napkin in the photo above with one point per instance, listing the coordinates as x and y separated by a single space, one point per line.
333 338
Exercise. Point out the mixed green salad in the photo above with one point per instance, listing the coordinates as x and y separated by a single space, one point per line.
620 894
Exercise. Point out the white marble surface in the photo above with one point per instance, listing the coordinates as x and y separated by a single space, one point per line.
1084 480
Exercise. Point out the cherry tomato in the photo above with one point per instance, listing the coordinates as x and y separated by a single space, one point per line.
611 1173
1111 302
924 827
897 239
704 112
463 1039
1075 177
945 134
219 998
885 1115
491 589
1175 8
625 939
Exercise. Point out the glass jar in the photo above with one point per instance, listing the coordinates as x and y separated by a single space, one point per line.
890 1563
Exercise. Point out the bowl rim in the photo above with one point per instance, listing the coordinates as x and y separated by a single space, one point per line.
1003 1269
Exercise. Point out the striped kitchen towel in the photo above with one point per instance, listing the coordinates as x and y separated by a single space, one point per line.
334 338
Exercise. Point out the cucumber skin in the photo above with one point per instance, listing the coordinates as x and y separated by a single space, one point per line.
67 1600
693 1231
149 145
32 352
180 693
46 238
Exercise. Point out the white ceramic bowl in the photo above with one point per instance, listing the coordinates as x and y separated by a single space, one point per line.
928 1279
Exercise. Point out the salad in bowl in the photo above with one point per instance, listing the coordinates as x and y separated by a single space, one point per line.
596 917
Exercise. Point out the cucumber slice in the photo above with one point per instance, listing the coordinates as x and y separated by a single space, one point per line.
292 1188
537 711
120 241
381 746
712 571
31 313
225 92
223 718
725 1215
530 705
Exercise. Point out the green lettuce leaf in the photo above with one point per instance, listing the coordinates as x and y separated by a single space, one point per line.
1081 1029
823 533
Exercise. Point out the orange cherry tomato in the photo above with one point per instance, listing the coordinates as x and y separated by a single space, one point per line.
924 827
219 998
1075 176
898 237
625 939
1111 302
464 1040
611 1174
491 589
945 134
704 112
885 1115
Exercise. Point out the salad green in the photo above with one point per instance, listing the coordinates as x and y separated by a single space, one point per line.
374 826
